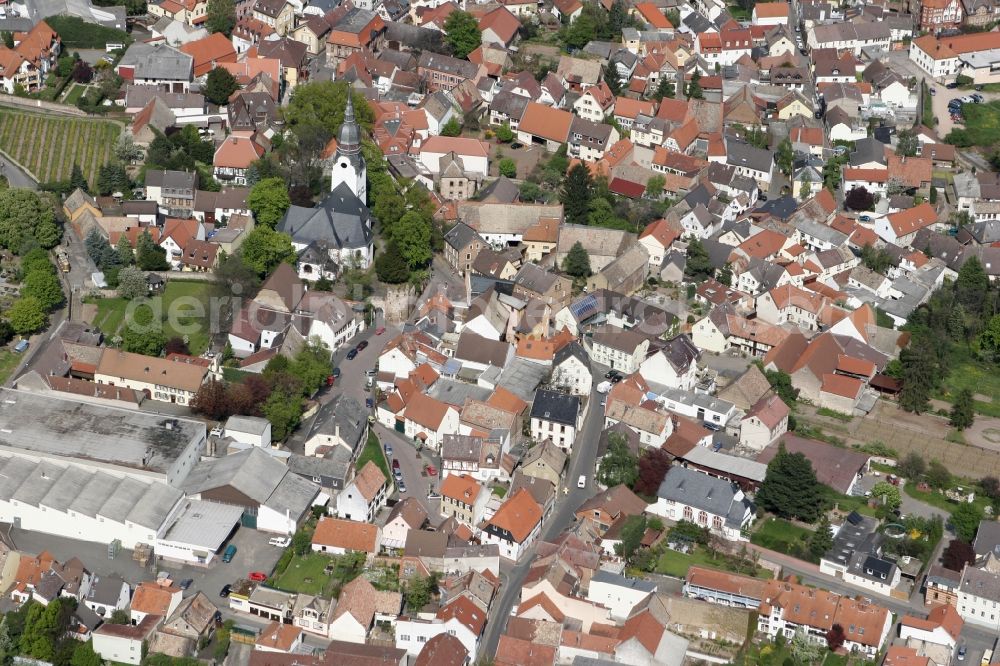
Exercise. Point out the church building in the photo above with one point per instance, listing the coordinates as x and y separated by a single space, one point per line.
337 233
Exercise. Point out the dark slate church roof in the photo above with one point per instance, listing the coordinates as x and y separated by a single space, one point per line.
341 220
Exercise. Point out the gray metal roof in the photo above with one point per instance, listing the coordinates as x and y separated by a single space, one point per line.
556 407
701 491
605 576
341 220
521 377
748 469
253 472
456 393
75 430
205 524
157 61
253 425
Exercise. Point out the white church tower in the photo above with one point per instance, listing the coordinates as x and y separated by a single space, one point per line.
349 164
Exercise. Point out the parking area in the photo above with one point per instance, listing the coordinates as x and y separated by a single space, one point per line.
940 104
412 464
525 156
252 554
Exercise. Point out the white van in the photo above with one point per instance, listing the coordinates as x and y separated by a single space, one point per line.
582 481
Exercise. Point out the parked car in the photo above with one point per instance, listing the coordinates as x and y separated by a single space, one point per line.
369 403
933 91
361 345
582 481
865 218
431 470
217 618
336 373
395 464
951 86
257 576
226 589
21 346
352 354
229 553
604 387
280 542
961 653
979 87
380 330
967 100
712 426
978 99
388 449
186 583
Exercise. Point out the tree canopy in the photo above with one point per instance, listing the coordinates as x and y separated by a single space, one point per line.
26 218
576 194
618 466
265 248
219 86
462 33
268 200
790 488
577 262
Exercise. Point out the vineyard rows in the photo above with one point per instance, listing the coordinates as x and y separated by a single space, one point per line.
48 146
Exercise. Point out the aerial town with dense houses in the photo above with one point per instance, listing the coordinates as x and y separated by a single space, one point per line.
507 332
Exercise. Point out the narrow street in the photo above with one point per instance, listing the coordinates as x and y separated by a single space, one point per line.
581 462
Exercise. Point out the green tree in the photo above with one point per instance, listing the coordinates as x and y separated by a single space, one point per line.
781 383
125 149
694 90
391 267
112 178
972 285
989 339
790 488
412 237
120 616
618 466
84 655
301 543
316 111
933 196
962 410
886 494
906 143
504 133
132 283
530 192
508 168
576 193
921 372
265 248
804 650
25 217
417 591
965 521
805 188
221 16
284 411
784 157
462 34
452 128
937 475
582 30
698 266
144 341
631 535
219 86
725 275
911 466
654 186
577 262
878 260
148 255
77 179
124 249
821 540
27 315
664 88
268 200
45 287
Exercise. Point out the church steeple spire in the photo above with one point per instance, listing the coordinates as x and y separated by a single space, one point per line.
349 163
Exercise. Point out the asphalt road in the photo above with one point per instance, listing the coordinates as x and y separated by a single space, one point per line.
582 459
16 177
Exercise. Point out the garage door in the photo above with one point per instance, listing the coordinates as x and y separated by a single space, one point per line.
400 425
248 520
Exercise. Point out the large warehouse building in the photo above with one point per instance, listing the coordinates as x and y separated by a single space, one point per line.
121 442
89 472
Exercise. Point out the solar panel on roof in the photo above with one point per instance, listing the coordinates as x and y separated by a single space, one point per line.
583 306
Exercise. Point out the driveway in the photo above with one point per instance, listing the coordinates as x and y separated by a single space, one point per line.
940 104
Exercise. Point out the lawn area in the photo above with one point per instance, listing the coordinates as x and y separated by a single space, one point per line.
76 91
8 361
177 314
782 536
982 126
373 451
772 654
306 574
674 563
978 377
49 146
938 500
